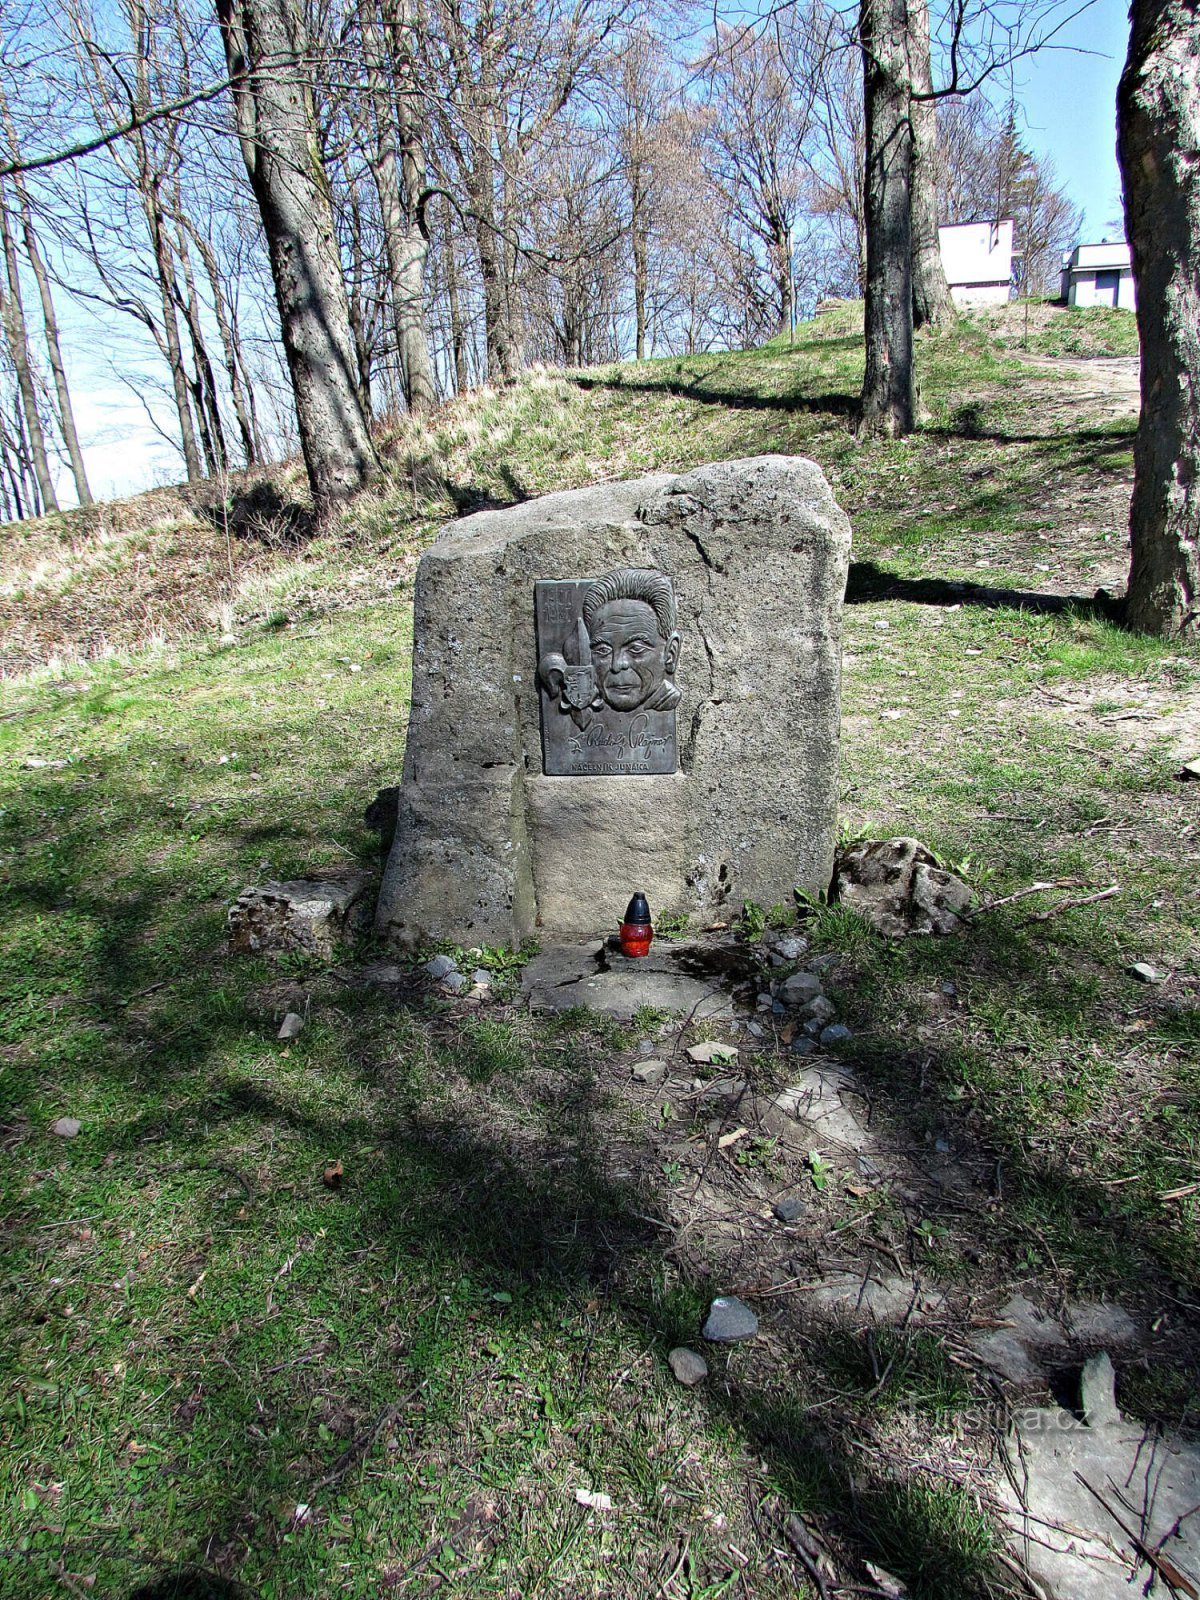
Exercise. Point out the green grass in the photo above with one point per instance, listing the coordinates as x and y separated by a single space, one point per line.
198 1337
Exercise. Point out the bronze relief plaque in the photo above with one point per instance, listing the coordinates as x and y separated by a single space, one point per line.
607 652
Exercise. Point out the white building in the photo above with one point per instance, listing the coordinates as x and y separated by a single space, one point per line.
1099 275
977 258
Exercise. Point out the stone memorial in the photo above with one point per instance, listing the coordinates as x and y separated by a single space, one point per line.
634 686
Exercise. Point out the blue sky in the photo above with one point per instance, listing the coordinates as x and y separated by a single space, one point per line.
1068 99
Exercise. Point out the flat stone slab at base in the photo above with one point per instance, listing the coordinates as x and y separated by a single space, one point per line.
1034 1340
830 1102
1058 1529
564 976
870 1299
312 915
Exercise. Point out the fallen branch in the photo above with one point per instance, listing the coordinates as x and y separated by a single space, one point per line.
1180 1194
1074 901
357 1448
1022 894
1177 1581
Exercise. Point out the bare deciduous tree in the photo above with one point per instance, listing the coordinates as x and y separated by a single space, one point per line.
266 49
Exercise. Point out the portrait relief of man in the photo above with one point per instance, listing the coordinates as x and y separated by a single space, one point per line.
608 650
629 616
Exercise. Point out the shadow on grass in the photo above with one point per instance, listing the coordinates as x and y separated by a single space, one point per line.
260 512
465 1214
869 582
710 391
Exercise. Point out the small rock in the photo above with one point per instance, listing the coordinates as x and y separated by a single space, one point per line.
813 1026
897 885
949 989
867 1167
65 1127
790 948
652 1071
803 1046
313 915
1144 972
1190 771
942 1147
765 1002
729 1319
789 1208
438 966
381 973
710 1051
820 1010
482 978
800 989
1097 1391
456 982
778 1008
688 1367
837 1033
291 1026
755 1030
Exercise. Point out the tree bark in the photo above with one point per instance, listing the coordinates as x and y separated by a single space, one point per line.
458 336
781 250
1158 144
400 180
58 371
265 48
229 346
933 304
638 233
889 392
13 313
204 390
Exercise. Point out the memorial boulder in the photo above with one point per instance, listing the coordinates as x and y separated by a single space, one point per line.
634 686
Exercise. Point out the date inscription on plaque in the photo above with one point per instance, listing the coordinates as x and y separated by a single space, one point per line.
607 653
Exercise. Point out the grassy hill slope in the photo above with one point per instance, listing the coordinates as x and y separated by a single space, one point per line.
211 1361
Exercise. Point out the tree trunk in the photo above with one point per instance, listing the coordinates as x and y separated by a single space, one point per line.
411 239
58 371
13 313
889 392
266 51
208 410
491 270
933 304
458 337
638 232
168 291
355 313
782 251
1158 135
229 347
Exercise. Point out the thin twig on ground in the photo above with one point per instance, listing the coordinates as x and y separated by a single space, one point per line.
1072 902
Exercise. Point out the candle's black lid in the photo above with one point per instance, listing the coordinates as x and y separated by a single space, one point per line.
638 909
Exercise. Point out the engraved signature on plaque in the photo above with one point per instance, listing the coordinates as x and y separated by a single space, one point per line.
607 652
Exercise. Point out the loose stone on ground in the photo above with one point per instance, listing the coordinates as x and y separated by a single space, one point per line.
729 1319
688 1367
311 915
897 885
